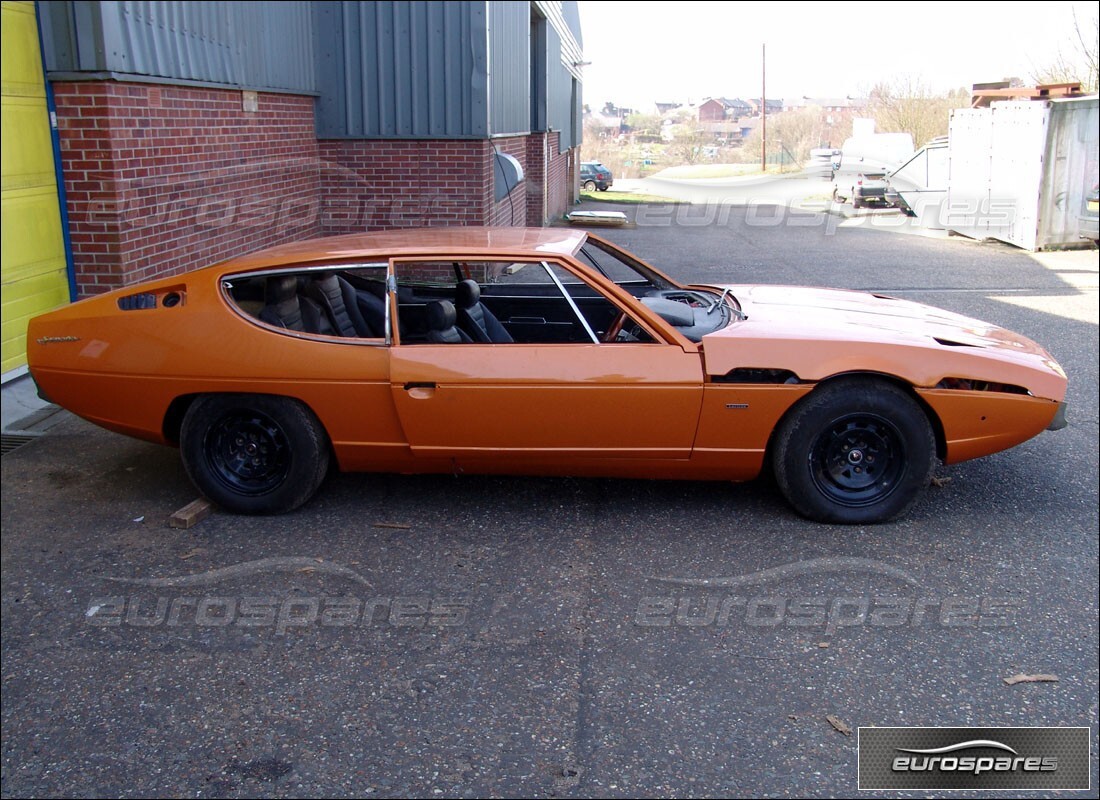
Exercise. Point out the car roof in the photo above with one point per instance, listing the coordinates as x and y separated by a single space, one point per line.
471 241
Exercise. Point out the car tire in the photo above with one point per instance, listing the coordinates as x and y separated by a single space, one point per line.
856 201
590 186
254 454
854 451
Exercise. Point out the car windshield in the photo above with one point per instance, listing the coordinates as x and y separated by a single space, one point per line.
619 267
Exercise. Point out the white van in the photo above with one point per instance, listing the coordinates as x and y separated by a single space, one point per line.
876 151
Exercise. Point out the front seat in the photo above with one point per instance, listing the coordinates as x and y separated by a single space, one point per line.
441 324
475 319
286 309
341 305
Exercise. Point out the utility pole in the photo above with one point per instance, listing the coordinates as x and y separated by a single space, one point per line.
763 108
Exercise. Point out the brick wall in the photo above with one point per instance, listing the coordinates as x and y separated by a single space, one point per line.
378 184
512 209
551 179
561 180
536 178
164 179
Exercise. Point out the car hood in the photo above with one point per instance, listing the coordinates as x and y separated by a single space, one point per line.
816 333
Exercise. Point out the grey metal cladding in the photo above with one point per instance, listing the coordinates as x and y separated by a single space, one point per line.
539 26
247 44
510 67
401 70
559 93
58 36
571 13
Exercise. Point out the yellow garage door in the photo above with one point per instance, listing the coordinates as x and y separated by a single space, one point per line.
35 277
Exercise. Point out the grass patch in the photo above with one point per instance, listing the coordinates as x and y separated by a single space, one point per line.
629 198
695 171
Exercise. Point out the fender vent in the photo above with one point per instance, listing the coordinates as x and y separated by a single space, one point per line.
970 385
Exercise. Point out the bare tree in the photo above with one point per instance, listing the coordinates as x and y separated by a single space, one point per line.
908 106
644 124
688 140
799 130
1080 64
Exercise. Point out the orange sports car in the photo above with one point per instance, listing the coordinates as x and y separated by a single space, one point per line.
539 351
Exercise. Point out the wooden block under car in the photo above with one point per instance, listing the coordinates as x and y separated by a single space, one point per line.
190 515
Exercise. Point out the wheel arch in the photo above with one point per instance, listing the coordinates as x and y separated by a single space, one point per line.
933 418
177 410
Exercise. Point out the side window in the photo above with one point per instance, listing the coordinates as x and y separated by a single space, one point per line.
507 302
601 318
342 302
439 302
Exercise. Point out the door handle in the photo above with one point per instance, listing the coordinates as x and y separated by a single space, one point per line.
420 390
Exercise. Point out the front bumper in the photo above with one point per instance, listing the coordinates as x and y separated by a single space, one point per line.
1059 420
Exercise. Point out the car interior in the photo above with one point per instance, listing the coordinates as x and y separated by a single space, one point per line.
456 302
351 303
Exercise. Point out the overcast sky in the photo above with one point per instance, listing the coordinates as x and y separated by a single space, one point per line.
644 52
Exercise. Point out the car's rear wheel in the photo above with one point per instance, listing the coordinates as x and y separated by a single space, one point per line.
854 451
856 202
590 186
254 454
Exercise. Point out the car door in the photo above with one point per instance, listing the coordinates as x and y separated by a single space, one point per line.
541 402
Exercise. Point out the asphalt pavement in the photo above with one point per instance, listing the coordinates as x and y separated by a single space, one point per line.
475 636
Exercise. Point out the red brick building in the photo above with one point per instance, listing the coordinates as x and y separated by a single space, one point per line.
722 109
193 132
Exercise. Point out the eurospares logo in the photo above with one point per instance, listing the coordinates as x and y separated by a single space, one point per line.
974 758
950 759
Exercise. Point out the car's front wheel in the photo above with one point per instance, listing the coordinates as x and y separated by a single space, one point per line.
854 451
254 454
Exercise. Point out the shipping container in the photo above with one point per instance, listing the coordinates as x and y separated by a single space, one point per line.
1022 172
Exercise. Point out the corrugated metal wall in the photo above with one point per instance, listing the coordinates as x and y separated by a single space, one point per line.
402 70
562 107
426 69
509 67
247 44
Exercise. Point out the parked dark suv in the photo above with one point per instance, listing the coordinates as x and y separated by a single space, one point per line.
595 176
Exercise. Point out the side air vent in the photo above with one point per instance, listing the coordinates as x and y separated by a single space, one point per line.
136 302
757 375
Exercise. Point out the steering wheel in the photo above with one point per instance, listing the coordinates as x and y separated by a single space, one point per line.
615 328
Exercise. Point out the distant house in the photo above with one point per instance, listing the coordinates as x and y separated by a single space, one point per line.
611 110
772 106
746 125
723 109
665 108
605 125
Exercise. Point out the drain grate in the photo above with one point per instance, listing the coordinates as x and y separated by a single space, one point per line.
13 441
